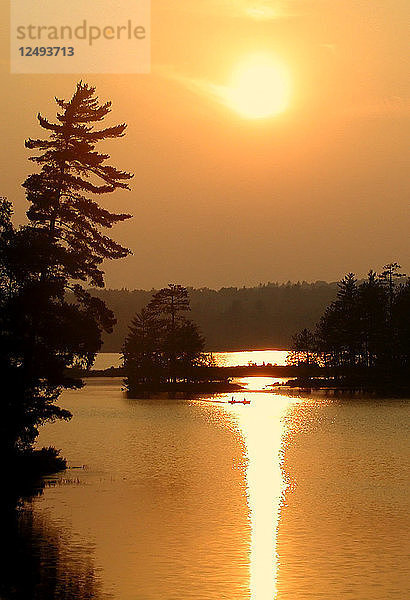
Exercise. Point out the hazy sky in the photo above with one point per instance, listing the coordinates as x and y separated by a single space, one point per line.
220 199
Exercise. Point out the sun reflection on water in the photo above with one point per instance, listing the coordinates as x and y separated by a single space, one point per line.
259 384
263 425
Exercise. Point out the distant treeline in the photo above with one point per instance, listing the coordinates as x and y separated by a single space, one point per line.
233 318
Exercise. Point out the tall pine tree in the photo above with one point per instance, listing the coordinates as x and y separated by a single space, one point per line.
42 331
71 169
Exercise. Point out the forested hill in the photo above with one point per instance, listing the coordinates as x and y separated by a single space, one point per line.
234 318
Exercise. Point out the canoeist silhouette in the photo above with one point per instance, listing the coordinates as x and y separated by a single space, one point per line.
244 401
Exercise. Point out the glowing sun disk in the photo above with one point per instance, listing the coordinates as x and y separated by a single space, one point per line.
259 88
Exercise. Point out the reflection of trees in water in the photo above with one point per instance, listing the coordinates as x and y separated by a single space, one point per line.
40 564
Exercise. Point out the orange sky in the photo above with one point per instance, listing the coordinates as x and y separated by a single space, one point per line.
218 199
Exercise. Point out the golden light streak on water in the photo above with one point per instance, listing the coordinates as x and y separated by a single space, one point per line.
259 384
263 427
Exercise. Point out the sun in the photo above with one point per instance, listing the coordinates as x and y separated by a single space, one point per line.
259 88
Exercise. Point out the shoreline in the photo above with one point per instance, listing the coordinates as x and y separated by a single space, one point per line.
294 383
221 373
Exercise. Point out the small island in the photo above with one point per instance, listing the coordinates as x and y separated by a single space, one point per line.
164 351
361 342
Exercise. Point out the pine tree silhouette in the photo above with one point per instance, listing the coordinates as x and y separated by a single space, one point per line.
71 168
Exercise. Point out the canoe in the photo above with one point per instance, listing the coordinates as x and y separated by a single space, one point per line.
239 401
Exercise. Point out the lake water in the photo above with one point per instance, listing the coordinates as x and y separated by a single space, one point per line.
105 360
291 497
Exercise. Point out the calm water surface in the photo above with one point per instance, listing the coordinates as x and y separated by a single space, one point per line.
289 497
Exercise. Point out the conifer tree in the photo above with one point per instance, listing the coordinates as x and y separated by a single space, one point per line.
401 324
71 169
142 350
169 302
372 306
167 305
162 345
389 277
303 346
42 331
